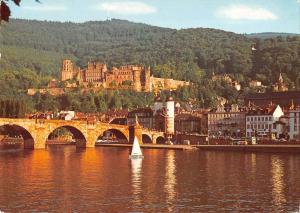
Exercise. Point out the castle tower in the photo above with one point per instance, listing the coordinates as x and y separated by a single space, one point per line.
67 70
147 83
103 72
137 79
170 117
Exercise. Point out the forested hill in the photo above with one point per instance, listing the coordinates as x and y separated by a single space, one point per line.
267 35
117 42
35 49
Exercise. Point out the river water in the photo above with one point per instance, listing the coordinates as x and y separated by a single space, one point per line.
66 179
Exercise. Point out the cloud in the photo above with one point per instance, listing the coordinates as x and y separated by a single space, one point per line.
45 8
244 12
127 8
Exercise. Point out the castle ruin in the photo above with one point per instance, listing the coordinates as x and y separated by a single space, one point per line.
133 77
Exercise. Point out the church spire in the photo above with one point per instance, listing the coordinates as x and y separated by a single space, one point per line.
280 79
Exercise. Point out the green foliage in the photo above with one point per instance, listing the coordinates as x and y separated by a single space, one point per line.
32 53
12 108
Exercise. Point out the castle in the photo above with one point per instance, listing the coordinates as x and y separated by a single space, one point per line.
133 77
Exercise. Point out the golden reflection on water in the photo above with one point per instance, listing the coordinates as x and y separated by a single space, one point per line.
277 180
136 169
170 179
253 164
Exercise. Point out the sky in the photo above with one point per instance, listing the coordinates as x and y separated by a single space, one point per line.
240 16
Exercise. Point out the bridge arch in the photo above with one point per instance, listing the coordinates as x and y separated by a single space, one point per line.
114 134
146 138
78 135
13 130
160 140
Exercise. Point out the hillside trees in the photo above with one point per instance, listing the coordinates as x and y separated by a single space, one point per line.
32 59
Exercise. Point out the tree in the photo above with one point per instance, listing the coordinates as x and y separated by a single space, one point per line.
5 11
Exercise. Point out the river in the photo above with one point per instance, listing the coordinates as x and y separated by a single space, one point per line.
66 179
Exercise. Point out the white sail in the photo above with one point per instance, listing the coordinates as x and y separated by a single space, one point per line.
136 149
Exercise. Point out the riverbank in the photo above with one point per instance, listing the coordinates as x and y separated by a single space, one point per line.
151 146
252 148
240 148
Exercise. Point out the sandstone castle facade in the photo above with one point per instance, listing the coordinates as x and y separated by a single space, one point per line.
133 77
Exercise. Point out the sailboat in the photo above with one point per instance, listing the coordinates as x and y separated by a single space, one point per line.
136 152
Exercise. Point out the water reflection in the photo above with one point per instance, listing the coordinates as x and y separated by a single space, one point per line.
277 180
136 170
66 179
170 179
253 164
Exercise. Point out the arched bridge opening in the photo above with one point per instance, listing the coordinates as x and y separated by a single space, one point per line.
112 136
160 140
67 135
15 136
146 138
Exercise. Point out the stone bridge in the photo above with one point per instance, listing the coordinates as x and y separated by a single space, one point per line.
151 136
36 132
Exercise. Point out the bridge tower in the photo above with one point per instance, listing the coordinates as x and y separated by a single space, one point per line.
170 116
136 131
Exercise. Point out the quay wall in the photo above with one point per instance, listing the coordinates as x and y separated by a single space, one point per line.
252 148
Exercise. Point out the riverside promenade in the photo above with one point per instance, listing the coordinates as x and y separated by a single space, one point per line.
252 148
151 146
240 148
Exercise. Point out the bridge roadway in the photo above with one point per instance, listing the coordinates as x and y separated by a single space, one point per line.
35 132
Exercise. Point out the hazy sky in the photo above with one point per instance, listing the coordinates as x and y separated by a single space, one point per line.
241 16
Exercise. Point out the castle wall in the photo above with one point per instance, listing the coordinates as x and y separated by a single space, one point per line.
166 83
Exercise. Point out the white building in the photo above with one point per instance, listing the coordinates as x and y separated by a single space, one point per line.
263 122
294 123
66 115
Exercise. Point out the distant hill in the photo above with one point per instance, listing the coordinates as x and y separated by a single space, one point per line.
270 35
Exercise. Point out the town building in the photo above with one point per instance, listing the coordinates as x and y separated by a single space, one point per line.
264 122
228 122
255 83
66 115
191 122
144 115
187 123
294 123
284 99
133 77
115 116
280 86
279 96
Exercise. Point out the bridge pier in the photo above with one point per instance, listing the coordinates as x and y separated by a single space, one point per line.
154 139
81 143
28 144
